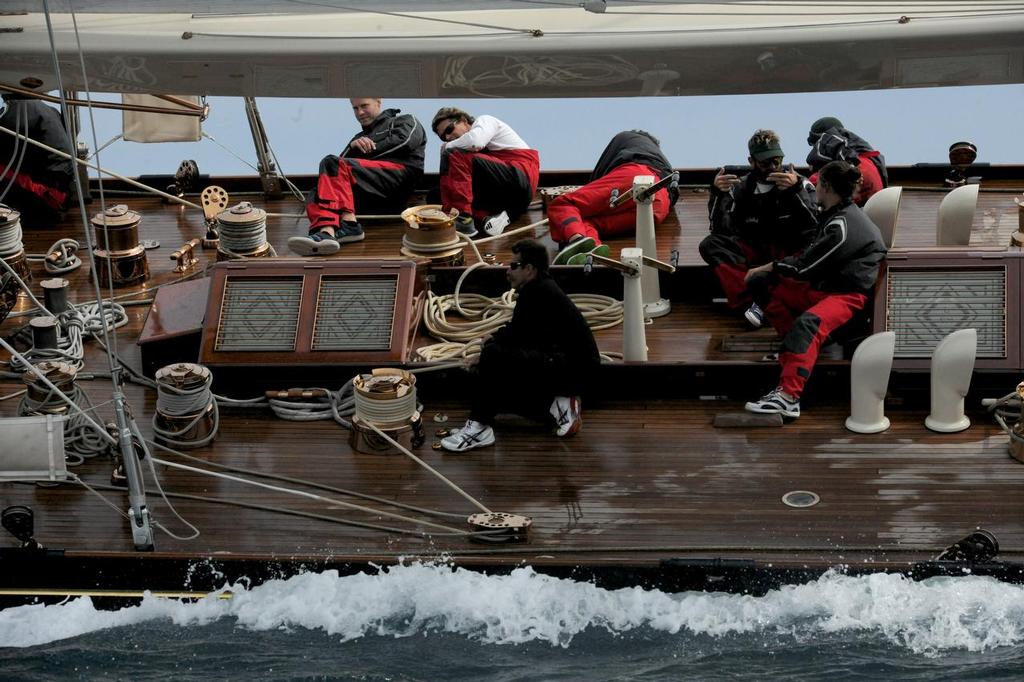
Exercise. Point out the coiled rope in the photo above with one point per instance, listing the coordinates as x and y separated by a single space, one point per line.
175 401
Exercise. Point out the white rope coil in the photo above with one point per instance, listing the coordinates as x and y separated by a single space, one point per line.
10 239
242 239
387 411
173 401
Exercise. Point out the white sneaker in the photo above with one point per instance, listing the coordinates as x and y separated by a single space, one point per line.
566 411
775 402
472 435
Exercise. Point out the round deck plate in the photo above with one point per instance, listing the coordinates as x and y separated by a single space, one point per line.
500 521
800 499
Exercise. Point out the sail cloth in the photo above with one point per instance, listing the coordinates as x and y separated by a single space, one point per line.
148 127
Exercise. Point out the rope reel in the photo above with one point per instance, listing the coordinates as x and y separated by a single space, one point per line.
430 233
120 258
81 441
12 250
243 233
385 399
186 411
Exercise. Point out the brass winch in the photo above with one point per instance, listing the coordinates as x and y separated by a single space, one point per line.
40 398
430 233
243 232
186 411
385 398
11 248
120 258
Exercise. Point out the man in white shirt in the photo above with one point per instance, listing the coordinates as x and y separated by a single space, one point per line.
486 168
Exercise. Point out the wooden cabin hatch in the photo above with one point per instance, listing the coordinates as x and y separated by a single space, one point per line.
294 312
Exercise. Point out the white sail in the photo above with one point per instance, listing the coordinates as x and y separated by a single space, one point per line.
507 49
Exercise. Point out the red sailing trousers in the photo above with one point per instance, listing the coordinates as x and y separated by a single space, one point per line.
488 182
804 318
334 193
586 210
53 197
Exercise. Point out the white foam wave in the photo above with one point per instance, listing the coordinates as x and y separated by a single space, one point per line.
967 613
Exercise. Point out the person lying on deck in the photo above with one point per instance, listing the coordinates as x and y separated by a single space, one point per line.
808 296
830 141
376 172
767 214
486 169
579 219
538 364
33 181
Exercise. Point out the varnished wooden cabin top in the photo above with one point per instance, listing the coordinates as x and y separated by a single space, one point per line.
644 481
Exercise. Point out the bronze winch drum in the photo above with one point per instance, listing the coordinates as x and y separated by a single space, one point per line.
120 258
14 255
429 229
242 231
378 394
61 374
201 423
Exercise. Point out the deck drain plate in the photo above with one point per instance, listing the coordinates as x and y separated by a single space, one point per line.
800 498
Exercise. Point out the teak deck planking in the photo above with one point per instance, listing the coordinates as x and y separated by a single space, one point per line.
643 481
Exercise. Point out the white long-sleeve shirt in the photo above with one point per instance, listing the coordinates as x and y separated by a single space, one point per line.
490 133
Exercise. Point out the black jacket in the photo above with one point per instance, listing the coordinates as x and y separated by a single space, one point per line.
547 325
787 219
844 256
44 125
634 146
399 137
840 144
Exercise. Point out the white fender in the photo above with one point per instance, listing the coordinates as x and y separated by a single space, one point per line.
869 380
952 367
956 214
883 208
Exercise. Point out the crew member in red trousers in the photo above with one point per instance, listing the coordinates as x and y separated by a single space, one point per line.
578 220
809 295
486 168
377 171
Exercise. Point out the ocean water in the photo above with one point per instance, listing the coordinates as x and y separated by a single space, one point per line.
429 622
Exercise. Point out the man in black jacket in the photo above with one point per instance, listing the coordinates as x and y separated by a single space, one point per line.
377 171
32 180
765 215
538 364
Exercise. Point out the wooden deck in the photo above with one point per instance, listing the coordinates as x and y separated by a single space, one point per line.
644 482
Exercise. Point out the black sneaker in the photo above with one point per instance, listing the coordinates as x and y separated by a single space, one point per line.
775 402
321 243
754 315
349 231
465 224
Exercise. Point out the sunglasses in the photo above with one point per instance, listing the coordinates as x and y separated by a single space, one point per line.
515 264
447 131
775 161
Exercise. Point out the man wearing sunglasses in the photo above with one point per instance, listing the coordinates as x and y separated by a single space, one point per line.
376 171
763 216
486 169
538 364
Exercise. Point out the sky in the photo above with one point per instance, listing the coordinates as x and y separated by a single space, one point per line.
908 126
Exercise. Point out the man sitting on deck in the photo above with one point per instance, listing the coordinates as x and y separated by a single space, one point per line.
486 168
34 181
580 218
767 214
377 171
830 141
810 295
536 365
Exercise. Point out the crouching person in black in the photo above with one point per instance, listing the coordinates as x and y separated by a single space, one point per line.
538 364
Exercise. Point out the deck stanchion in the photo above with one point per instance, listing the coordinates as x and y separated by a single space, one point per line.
654 304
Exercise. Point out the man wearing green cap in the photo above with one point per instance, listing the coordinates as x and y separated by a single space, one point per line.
765 215
831 141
